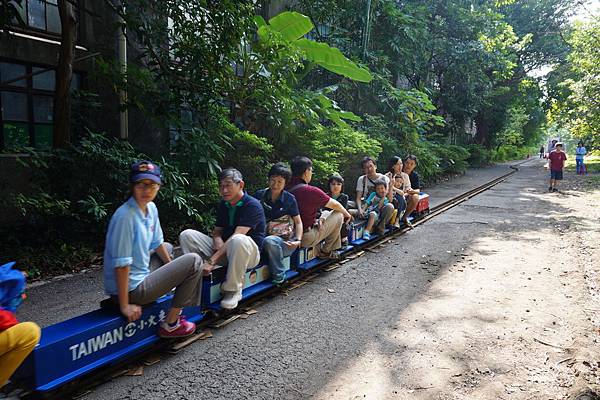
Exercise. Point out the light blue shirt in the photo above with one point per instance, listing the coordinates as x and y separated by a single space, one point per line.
130 237
580 153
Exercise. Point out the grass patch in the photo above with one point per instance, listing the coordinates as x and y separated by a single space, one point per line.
592 163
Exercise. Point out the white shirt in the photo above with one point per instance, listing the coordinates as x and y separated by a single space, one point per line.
366 186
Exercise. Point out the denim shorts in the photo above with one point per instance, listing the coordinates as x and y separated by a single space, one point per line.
557 175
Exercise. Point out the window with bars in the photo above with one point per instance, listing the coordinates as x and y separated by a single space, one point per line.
26 105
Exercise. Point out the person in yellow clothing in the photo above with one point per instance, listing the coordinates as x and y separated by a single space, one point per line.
17 340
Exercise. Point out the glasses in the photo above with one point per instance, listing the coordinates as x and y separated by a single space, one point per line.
144 186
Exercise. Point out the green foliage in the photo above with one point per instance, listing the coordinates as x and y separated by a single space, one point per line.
510 153
74 192
577 85
252 155
292 26
479 156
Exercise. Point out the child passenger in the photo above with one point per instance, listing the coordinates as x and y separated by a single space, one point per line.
134 234
17 339
399 183
373 206
336 191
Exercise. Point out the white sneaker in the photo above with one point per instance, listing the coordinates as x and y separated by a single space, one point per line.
231 299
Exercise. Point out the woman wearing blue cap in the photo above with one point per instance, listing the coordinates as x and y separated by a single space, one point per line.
133 234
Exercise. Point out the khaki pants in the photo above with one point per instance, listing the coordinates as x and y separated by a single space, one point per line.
16 343
329 233
242 254
183 273
385 215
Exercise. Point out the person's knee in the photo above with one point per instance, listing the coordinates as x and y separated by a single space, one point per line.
193 262
270 244
29 333
185 237
238 242
237 239
337 216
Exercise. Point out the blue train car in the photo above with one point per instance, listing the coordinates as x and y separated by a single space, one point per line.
76 347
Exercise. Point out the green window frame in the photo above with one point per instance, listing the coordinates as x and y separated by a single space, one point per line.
26 105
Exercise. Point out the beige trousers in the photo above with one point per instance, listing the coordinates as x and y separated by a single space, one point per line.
242 254
329 233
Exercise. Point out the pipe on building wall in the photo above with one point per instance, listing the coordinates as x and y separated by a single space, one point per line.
124 115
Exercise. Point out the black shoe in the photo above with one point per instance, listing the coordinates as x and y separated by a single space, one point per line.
550 189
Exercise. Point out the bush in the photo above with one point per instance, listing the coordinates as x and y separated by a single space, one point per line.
74 193
479 156
510 152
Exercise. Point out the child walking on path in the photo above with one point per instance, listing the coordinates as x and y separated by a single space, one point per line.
557 162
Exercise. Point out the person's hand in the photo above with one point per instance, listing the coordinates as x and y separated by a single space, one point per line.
207 267
218 243
348 218
132 312
360 213
320 223
293 244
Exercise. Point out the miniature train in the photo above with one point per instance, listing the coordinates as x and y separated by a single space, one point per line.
71 349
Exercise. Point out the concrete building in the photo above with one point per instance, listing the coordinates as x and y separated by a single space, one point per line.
26 98
27 104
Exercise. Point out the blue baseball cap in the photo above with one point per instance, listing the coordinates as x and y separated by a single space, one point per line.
144 170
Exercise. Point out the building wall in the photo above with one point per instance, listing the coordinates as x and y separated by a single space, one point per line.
97 33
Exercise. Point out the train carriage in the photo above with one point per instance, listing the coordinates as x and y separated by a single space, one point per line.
102 338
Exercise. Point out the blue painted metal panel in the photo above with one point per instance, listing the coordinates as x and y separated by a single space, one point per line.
74 347
312 263
256 281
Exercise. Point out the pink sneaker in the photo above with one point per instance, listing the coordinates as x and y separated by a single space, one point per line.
185 328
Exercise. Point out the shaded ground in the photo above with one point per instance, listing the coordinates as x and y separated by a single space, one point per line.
495 299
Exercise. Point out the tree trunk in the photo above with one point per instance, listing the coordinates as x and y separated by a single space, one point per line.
64 73
483 130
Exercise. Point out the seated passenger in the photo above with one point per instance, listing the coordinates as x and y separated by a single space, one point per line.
413 188
373 209
366 185
397 178
336 191
237 237
284 226
17 340
130 276
324 234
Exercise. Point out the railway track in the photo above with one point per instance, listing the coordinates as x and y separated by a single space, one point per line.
82 386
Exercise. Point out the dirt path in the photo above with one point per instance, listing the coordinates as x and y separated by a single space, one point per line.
514 316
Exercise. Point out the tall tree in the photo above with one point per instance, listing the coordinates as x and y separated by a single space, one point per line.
64 74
